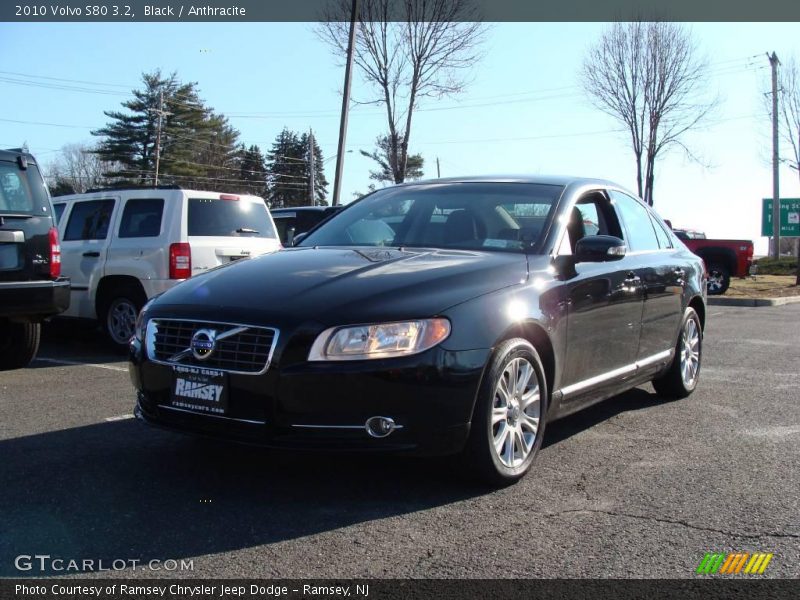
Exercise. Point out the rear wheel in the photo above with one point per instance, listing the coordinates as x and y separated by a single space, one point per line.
719 278
118 316
508 423
681 378
19 343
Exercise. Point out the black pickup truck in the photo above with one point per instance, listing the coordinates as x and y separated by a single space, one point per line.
31 285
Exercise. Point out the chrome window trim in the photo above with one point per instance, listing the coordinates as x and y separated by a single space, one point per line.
151 353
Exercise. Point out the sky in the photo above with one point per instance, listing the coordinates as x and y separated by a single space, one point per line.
522 112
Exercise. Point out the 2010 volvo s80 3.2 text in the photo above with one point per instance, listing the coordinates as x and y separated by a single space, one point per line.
442 317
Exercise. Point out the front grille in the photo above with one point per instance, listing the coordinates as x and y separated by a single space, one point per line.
246 351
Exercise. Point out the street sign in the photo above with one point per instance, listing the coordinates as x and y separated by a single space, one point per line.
790 217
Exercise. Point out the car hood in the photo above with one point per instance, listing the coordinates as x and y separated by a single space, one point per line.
343 285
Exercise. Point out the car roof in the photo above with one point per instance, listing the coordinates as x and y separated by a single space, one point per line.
299 208
13 153
562 180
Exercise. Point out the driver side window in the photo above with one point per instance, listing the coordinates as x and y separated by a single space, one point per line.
591 215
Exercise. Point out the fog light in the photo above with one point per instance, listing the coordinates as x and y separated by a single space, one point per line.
380 427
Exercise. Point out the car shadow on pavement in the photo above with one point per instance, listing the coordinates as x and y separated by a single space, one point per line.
119 490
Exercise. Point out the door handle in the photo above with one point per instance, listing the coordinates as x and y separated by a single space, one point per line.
91 254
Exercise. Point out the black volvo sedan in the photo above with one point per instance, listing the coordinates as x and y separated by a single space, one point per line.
455 316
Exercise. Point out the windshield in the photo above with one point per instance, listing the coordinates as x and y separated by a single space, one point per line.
468 216
212 217
22 191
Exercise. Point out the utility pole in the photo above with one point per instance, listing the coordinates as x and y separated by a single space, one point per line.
438 170
337 182
776 195
161 113
312 168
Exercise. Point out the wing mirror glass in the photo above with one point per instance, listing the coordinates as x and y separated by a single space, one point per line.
599 248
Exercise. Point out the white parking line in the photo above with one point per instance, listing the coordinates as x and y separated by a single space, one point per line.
716 314
119 418
61 361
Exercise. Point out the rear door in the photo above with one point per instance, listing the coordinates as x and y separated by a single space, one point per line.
656 263
222 228
85 231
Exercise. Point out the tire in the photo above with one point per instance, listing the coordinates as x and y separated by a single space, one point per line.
680 379
19 343
719 278
491 456
118 316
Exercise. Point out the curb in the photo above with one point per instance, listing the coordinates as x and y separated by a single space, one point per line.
752 302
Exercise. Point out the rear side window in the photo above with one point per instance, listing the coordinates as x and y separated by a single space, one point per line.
226 218
141 218
661 233
89 220
22 191
59 210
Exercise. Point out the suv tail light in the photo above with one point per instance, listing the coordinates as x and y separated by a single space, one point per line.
180 261
55 253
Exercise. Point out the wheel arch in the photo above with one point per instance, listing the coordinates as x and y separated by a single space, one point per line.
700 308
537 336
718 255
110 284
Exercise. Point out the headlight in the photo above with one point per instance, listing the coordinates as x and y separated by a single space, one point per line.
383 340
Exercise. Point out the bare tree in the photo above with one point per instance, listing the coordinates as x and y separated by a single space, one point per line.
76 169
408 50
789 110
649 77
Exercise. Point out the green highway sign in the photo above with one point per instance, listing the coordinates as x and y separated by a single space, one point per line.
790 217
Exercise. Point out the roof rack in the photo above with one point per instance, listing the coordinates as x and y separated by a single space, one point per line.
134 187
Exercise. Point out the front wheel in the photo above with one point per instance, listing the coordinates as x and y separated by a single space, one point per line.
681 378
509 418
19 343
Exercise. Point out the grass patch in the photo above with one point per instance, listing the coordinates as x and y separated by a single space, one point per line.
763 286
784 266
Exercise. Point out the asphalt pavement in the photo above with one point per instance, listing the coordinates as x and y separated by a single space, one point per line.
632 487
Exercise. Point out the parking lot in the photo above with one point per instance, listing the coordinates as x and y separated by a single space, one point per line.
633 487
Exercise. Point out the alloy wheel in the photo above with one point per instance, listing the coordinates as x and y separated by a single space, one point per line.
121 320
516 411
690 353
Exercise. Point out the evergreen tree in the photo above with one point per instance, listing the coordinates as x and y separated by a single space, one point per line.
253 170
320 182
287 171
197 146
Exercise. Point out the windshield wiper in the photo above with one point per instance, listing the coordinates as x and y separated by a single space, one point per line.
246 230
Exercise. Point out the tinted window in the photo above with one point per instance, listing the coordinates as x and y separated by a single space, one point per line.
495 216
662 235
640 233
283 222
212 217
89 220
21 190
59 210
141 218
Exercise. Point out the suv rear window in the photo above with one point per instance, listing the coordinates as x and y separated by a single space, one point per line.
21 190
211 217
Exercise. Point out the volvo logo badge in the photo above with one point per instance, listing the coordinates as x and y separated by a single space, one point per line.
204 341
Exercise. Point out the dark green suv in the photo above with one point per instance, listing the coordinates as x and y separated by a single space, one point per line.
31 286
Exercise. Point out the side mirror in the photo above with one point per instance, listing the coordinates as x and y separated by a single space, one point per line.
599 248
299 238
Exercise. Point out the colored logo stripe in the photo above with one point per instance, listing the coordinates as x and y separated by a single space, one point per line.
729 564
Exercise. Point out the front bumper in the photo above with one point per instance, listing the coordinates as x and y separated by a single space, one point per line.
326 405
34 299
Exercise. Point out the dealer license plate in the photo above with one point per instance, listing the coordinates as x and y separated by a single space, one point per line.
201 390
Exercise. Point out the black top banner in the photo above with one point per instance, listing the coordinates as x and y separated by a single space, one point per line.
390 589
125 11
